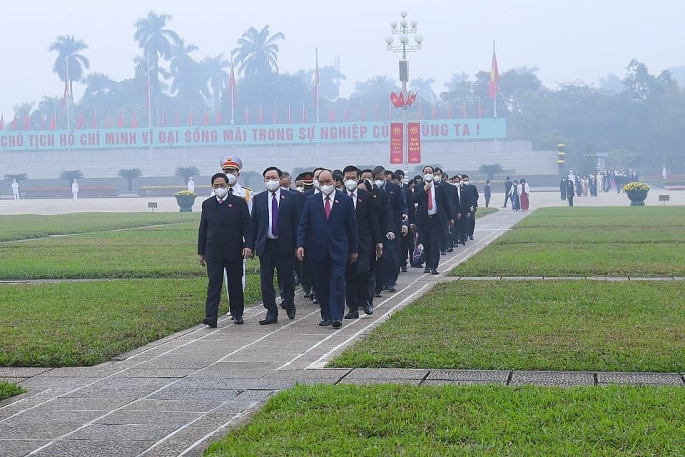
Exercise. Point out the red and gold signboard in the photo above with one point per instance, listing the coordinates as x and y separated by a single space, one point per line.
396 142
414 142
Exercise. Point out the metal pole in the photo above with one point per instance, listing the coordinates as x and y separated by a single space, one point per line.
149 93
68 89
405 133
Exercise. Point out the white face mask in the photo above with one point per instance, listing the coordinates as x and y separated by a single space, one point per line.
351 185
231 179
300 189
405 181
316 184
379 182
428 177
466 183
327 189
272 184
220 192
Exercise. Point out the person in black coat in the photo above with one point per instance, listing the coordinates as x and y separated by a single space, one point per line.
487 193
223 242
358 274
432 214
273 230
507 188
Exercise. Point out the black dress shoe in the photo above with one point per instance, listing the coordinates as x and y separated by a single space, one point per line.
434 272
404 269
391 289
426 270
238 320
352 315
443 252
307 295
290 313
315 300
471 237
337 323
450 250
324 323
268 320
210 321
368 308
377 295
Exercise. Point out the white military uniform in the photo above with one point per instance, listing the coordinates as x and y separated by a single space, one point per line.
15 189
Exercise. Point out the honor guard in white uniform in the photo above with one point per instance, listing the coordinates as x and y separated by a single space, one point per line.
231 165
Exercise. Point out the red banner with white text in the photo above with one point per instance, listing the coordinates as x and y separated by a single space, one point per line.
414 142
396 142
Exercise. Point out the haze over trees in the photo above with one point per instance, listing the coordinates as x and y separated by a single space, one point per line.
636 118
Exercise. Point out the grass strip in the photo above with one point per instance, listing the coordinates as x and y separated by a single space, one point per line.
86 323
7 390
528 325
632 241
377 420
29 226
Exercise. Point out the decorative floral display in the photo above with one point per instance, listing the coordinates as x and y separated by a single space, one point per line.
185 193
635 185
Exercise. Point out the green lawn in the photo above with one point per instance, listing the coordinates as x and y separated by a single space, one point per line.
608 241
9 390
525 325
391 420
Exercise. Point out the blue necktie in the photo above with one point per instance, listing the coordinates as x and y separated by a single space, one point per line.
274 215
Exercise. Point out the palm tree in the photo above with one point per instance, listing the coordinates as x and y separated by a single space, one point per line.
98 87
70 175
189 83
257 51
130 174
69 64
187 172
424 89
18 176
156 41
329 82
214 69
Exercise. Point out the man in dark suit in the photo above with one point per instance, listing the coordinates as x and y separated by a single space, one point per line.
400 213
275 215
385 219
223 242
327 236
507 188
471 192
407 242
447 243
358 274
432 214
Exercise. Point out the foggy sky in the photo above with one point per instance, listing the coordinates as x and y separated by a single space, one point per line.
574 41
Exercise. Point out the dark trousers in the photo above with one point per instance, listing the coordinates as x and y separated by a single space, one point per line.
445 238
306 277
391 261
471 224
460 225
215 275
406 249
329 283
431 231
377 269
357 279
284 265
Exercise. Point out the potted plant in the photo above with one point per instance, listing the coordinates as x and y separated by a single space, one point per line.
185 200
636 192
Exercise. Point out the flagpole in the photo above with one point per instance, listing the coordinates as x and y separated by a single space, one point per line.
495 76
66 89
231 82
149 92
316 84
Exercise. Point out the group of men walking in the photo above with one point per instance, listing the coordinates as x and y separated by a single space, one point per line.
344 234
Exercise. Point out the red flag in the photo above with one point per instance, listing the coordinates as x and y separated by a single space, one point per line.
316 79
53 122
231 86
205 118
134 121
361 110
347 110
401 100
494 75
289 116
163 118
27 122
79 123
435 111
247 115
190 117
395 99
95 119
178 117
304 114
2 121
331 115
121 119
14 122
219 120
275 114
411 99
108 123
449 109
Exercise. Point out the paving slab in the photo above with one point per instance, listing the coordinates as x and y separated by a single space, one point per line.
552 378
496 376
641 379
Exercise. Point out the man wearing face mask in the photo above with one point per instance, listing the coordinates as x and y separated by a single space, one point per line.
386 220
327 236
275 215
310 292
472 192
432 214
358 274
223 242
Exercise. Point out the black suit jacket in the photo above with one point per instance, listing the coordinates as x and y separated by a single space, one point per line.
385 215
398 204
368 227
223 238
444 212
453 199
288 218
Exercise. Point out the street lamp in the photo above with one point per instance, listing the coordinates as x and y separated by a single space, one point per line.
404 29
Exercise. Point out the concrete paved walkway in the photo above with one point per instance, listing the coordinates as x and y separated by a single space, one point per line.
176 395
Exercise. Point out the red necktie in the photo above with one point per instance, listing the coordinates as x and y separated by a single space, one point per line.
429 192
327 207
